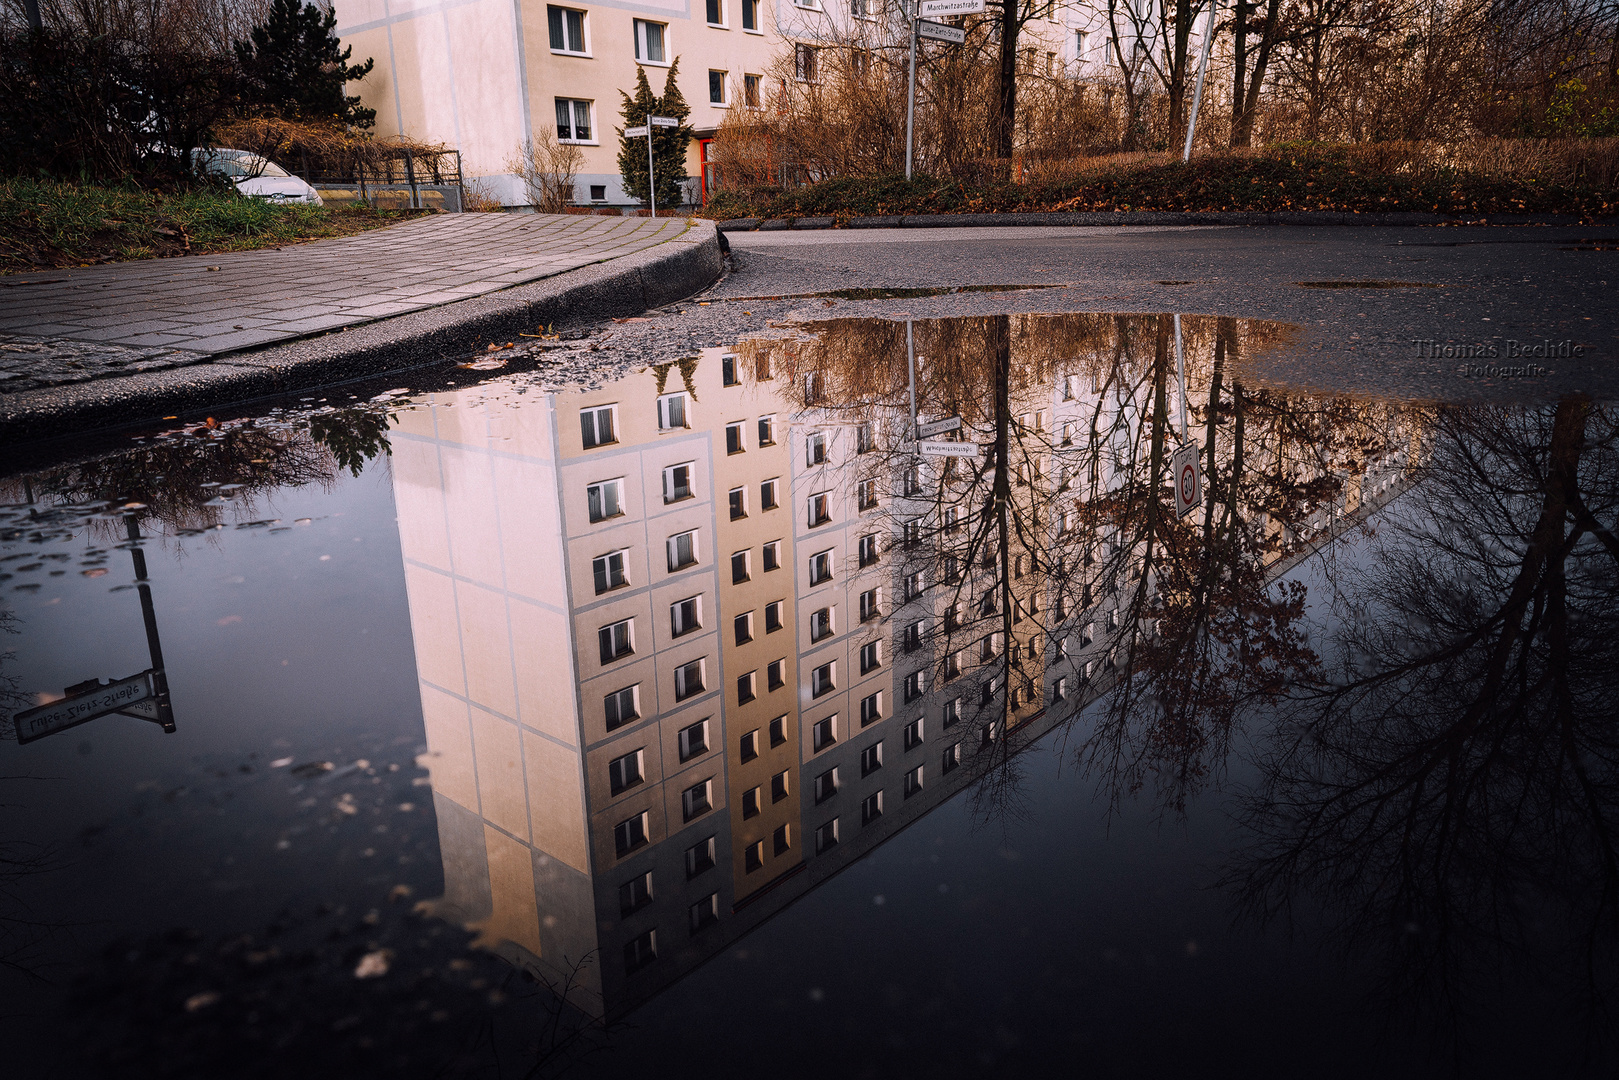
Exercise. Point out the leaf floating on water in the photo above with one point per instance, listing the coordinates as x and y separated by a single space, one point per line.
199 1002
310 769
373 965
281 763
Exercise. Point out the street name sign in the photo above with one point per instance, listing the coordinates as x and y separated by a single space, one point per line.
950 7
938 427
118 696
636 132
1188 479
663 121
949 449
933 31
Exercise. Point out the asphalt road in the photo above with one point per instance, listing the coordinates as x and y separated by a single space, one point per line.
1477 288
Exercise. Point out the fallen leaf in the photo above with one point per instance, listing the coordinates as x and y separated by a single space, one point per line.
373 965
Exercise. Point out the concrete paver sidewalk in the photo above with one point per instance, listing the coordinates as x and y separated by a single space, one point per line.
70 326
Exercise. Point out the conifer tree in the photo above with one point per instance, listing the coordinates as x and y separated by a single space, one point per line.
295 65
668 144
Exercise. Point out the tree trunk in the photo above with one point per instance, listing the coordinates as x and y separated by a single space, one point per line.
1177 73
1242 133
1006 111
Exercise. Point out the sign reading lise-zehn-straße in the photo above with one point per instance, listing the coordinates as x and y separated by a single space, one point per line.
117 696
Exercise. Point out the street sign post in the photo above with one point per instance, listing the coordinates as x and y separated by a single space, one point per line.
940 32
938 427
949 449
120 696
651 169
1188 479
937 8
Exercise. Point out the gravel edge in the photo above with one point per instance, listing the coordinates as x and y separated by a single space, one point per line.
1145 217
618 288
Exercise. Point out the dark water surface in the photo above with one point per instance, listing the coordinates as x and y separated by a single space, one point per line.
693 724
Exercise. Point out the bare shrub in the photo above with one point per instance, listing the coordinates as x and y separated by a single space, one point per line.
547 168
477 199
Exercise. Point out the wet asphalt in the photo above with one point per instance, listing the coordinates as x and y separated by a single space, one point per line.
1457 313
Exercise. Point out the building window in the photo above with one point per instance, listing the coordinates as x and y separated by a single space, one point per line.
824 733
693 740
826 785
685 616
752 803
952 711
746 688
699 857
688 680
605 499
912 637
868 549
815 449
733 438
812 379
609 572
750 745
820 511
753 856
567 29
916 684
913 781
682 550
622 706
573 121
649 42
913 586
866 495
913 532
630 834
871 708
778 786
870 604
913 734
826 836
823 680
741 569
625 772
1059 690
767 431
871 656
778 731
773 616
821 567
704 913
641 951
738 499
716 84
672 412
616 640
598 424
822 624
742 625
952 664
694 800
776 674
871 808
728 369
952 757
804 55
782 839
750 83
767 498
773 553
865 438
871 758
635 893
913 480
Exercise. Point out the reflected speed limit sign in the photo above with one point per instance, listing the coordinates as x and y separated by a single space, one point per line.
1188 479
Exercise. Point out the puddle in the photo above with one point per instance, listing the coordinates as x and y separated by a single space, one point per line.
1367 285
711 695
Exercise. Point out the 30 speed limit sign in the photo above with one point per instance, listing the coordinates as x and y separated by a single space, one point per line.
1188 479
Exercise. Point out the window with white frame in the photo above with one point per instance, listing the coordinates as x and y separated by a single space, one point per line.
700 857
869 552
650 44
815 448
952 712
826 785
913 782
870 604
772 553
688 680
820 509
871 758
573 121
916 684
822 624
823 680
567 30
738 500
625 772
767 431
1059 689
716 86
750 16
952 756
826 836
871 708
693 740
704 913
865 438
824 733
605 499
672 412
609 570
682 550
871 808
696 799
622 706
616 640
635 894
677 481
913 734
871 656
733 438
820 567
685 616
630 834
715 12
599 425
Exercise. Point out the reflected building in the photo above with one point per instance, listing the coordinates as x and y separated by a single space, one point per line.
690 643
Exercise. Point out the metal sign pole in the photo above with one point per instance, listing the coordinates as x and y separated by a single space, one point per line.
1180 374
160 678
651 171
910 358
1202 70
910 121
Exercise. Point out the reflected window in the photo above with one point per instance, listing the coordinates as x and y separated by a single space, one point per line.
641 951
693 740
772 552
598 424
916 684
605 499
622 706
753 856
609 571
630 834
625 772
871 758
767 495
677 482
616 640
746 688
952 711
821 624
738 499
815 449
823 680
733 438
672 412
826 836
635 894
871 708
740 567
952 757
870 604
868 550
727 363
688 680
700 857
776 676
778 731
826 785
866 495
778 786
752 803
913 734
767 431
773 616
695 800
704 913
750 745
865 440
782 839
912 637
824 733
682 550
871 808
913 782
820 567
685 616
871 656
1059 690
743 627
820 509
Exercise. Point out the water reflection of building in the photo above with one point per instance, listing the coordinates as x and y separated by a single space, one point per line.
690 643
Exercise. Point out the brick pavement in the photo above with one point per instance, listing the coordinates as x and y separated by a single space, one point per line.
67 326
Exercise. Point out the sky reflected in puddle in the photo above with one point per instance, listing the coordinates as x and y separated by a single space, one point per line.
486 691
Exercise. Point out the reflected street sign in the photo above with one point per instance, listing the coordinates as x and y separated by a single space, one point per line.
938 427
1188 479
949 449
636 132
950 7
71 711
933 31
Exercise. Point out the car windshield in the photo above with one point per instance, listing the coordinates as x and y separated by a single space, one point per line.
240 164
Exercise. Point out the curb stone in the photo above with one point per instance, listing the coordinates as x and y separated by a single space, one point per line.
619 287
1146 217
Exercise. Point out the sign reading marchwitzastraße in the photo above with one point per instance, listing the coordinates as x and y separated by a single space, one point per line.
936 8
